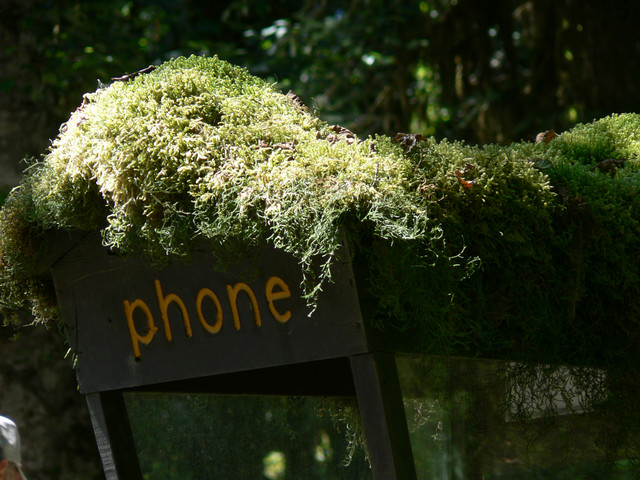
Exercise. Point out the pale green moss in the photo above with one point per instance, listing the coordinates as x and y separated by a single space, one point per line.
493 251
198 147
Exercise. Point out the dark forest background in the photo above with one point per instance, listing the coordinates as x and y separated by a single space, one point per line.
496 71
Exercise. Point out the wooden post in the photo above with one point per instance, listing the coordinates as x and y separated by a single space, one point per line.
382 410
113 436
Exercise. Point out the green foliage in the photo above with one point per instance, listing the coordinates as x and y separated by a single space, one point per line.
294 428
515 251
537 260
488 235
22 284
453 69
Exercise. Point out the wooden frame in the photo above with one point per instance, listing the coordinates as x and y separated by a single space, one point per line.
193 328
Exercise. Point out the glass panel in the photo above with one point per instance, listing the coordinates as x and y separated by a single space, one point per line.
490 420
232 437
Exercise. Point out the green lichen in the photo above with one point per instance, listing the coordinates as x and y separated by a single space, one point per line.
511 251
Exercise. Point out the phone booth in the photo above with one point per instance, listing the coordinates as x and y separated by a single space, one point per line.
481 321
195 371
191 372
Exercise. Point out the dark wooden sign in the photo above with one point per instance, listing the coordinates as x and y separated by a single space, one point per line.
133 325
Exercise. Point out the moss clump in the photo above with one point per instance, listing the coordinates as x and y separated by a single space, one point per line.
541 250
201 149
519 250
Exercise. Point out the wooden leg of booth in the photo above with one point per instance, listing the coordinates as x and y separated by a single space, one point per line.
385 426
113 436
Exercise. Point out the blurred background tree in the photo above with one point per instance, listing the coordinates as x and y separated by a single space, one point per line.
497 71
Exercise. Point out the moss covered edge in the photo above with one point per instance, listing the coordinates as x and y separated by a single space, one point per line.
486 250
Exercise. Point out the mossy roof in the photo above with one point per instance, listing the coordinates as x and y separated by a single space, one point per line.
529 249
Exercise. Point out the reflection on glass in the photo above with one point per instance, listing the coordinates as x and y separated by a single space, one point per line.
233 437
472 419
